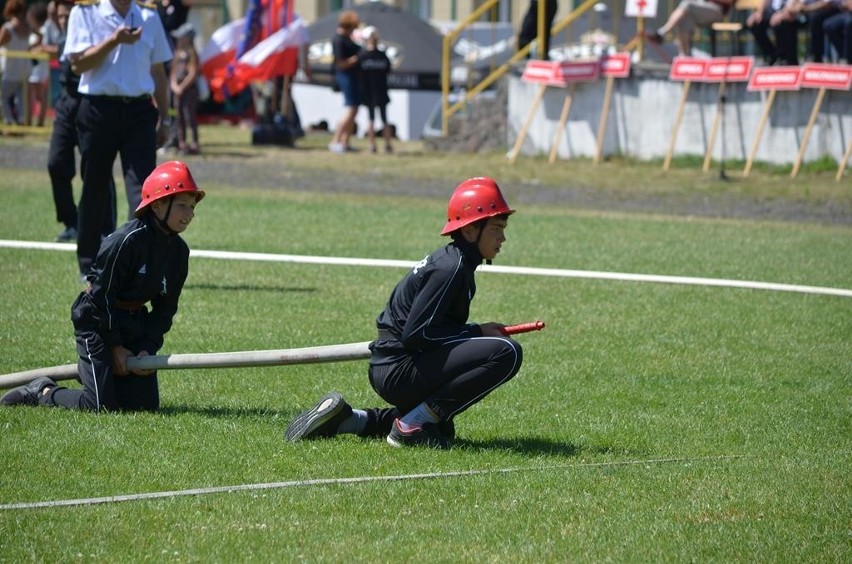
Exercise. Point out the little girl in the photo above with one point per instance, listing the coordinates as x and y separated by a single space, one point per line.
184 86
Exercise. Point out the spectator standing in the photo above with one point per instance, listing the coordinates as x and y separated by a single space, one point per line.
173 14
61 160
51 34
375 67
428 361
529 25
184 86
119 72
14 36
40 72
143 264
774 15
687 16
838 29
348 77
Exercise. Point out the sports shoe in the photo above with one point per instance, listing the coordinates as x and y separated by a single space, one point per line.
322 420
427 434
67 236
337 148
27 394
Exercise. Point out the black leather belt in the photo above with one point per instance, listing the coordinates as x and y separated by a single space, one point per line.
118 99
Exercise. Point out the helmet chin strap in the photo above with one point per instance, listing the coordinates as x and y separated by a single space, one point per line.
164 223
479 236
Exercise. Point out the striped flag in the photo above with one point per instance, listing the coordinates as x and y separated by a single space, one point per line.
261 46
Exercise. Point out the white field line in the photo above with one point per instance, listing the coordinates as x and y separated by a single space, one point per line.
528 271
353 480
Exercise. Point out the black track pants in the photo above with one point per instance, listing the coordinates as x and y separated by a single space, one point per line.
449 379
102 389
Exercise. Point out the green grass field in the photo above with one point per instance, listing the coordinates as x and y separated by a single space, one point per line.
650 422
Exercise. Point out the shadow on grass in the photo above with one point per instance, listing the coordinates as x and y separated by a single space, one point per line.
539 446
215 411
249 288
522 445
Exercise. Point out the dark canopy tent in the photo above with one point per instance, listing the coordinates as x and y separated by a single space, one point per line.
411 43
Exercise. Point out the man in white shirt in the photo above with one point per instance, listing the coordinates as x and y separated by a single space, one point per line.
118 48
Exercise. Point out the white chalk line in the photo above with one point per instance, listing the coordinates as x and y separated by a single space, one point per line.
353 480
528 271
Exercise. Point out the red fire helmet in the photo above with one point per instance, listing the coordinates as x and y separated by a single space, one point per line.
168 179
474 199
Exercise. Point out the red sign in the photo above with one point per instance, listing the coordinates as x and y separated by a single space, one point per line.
688 68
542 72
728 69
834 77
617 65
577 71
775 78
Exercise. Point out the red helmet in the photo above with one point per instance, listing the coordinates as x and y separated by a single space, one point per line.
474 199
168 179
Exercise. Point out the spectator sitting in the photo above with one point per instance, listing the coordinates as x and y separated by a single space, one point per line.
688 15
815 12
838 29
775 14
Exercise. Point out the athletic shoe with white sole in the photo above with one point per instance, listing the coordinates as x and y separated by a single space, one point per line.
426 434
27 394
322 420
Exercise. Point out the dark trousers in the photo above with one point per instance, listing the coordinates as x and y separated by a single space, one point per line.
529 25
62 165
785 47
106 127
101 388
838 28
816 19
449 379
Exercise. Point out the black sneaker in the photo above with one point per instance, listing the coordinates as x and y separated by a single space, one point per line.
427 434
27 394
322 420
67 236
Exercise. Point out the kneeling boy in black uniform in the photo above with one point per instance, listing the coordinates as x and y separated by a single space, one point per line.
144 261
428 361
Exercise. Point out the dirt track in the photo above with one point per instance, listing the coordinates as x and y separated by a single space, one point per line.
267 173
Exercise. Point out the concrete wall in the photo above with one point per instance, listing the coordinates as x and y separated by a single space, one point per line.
408 109
643 112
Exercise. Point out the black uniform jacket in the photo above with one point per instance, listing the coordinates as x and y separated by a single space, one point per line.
430 305
139 263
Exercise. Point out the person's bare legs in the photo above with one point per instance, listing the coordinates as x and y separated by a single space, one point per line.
386 133
344 126
371 136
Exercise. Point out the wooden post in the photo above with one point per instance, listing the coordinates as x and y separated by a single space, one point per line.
522 134
610 81
843 161
759 133
678 118
711 142
563 119
808 130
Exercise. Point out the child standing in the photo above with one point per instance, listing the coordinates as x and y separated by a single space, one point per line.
14 36
375 67
184 86
39 74
142 264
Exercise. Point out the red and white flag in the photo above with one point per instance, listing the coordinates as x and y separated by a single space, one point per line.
276 55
